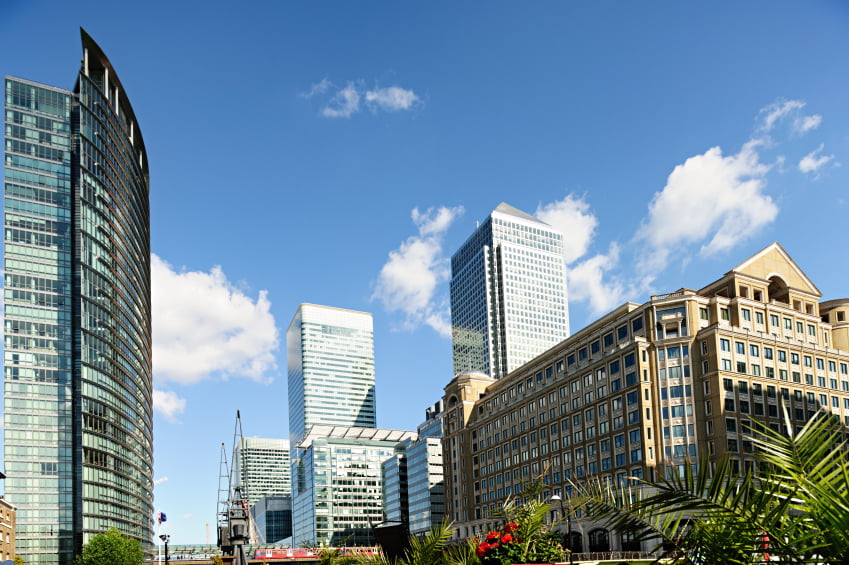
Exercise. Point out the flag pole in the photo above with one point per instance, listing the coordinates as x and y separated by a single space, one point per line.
159 525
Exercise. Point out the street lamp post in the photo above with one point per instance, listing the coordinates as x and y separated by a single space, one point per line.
568 525
165 538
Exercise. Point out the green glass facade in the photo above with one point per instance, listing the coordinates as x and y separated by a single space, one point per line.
77 369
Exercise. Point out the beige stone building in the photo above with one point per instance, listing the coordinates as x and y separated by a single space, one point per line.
7 530
646 389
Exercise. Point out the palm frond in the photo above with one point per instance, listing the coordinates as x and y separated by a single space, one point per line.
426 549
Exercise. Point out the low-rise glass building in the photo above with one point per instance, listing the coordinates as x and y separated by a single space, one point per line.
337 484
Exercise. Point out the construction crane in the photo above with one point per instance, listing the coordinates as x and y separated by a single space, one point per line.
233 515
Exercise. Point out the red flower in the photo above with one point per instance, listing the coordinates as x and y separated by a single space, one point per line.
493 545
510 527
492 536
482 549
506 538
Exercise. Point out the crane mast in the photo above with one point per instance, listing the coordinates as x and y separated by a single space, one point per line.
233 514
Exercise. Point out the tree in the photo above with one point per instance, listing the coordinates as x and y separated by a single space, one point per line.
793 509
19 560
111 548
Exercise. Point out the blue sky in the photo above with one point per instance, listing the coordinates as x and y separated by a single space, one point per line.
339 152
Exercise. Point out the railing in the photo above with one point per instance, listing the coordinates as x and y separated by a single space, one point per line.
613 556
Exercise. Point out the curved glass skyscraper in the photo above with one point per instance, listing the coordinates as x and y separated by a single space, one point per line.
77 370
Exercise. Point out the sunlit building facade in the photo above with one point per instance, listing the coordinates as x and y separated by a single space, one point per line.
77 371
508 293
414 490
646 389
330 354
425 482
338 484
265 467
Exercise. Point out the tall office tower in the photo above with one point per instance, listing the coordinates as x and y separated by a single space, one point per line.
264 465
331 369
508 293
77 370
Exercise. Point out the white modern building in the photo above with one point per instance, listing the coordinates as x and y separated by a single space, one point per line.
330 355
338 484
264 464
508 293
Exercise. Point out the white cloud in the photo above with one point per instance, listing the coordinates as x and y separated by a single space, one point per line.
571 216
344 103
348 101
587 284
804 124
408 280
814 161
392 98
709 197
771 114
160 480
204 326
168 404
188 516
318 88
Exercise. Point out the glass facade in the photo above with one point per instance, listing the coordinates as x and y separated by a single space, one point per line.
338 488
508 293
395 488
264 464
331 369
77 369
426 486
272 517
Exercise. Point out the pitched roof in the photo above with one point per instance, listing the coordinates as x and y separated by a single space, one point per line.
774 260
505 208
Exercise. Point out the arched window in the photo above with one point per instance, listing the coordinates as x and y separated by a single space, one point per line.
629 543
599 540
576 542
778 289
